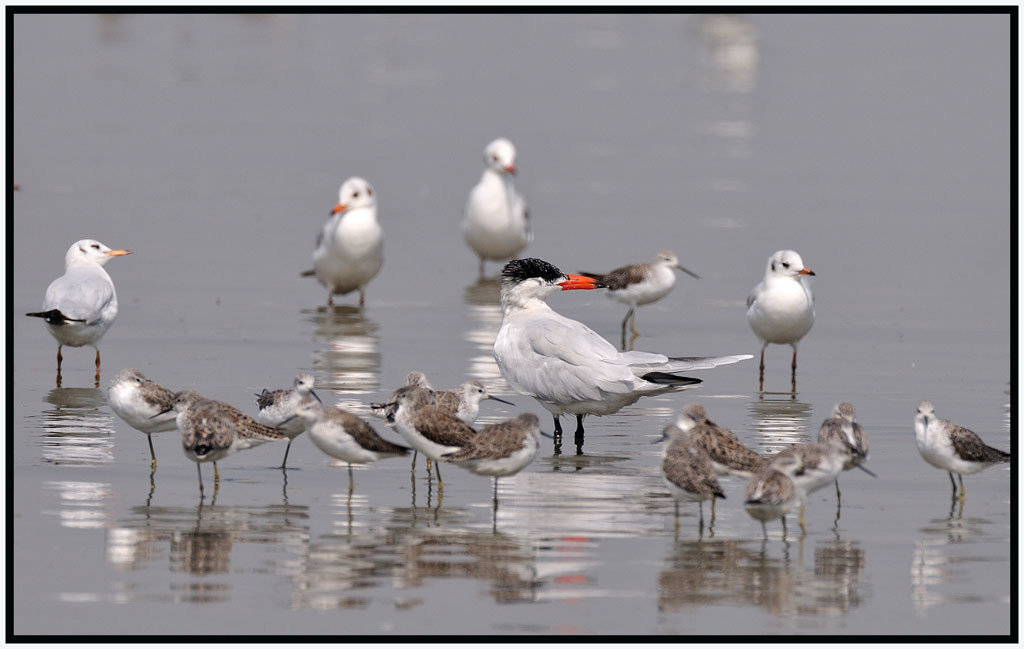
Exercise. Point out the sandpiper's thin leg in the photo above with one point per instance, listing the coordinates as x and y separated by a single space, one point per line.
216 474
199 470
632 321
152 453
839 497
351 481
785 532
963 492
414 454
437 467
362 297
676 528
953 481
286 449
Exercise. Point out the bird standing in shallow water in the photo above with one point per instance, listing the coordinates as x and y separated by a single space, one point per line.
142 404
80 305
565 365
638 284
277 407
780 309
953 448
688 472
497 223
841 426
350 247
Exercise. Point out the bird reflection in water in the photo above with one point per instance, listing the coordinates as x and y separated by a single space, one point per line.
780 423
701 573
349 359
483 304
77 428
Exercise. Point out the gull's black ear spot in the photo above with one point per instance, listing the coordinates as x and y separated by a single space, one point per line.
773 266
519 270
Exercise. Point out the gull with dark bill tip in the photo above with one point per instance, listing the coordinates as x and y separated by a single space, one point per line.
80 305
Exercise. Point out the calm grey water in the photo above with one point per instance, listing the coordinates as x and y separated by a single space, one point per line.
213 146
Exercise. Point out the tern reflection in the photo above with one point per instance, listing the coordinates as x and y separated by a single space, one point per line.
780 421
349 358
78 428
699 573
483 303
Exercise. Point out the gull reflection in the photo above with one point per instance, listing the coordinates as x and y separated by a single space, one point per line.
730 51
349 357
82 505
780 421
78 430
699 573
483 302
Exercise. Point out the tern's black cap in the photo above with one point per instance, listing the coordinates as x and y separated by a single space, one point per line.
519 270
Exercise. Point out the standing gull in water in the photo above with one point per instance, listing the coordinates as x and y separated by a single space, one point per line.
497 223
780 309
350 247
80 305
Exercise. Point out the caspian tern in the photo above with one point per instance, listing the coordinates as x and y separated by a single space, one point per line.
780 309
80 305
350 247
497 224
638 284
564 364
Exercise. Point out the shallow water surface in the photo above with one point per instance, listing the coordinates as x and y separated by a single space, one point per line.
212 146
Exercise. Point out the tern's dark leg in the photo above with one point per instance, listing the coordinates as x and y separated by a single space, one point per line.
558 426
578 437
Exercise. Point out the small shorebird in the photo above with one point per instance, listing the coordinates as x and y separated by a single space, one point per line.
427 428
386 410
212 430
464 401
565 365
821 464
500 449
953 448
350 247
276 408
771 493
688 471
497 223
638 284
80 305
142 404
841 426
727 453
780 309
344 436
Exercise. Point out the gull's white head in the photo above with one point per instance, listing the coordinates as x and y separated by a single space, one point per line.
500 156
90 252
523 279
355 193
786 263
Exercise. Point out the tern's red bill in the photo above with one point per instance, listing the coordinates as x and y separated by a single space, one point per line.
580 282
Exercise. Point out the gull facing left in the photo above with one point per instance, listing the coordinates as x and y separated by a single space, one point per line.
350 247
565 365
80 305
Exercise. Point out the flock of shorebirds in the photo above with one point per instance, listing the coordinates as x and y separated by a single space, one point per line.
563 364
